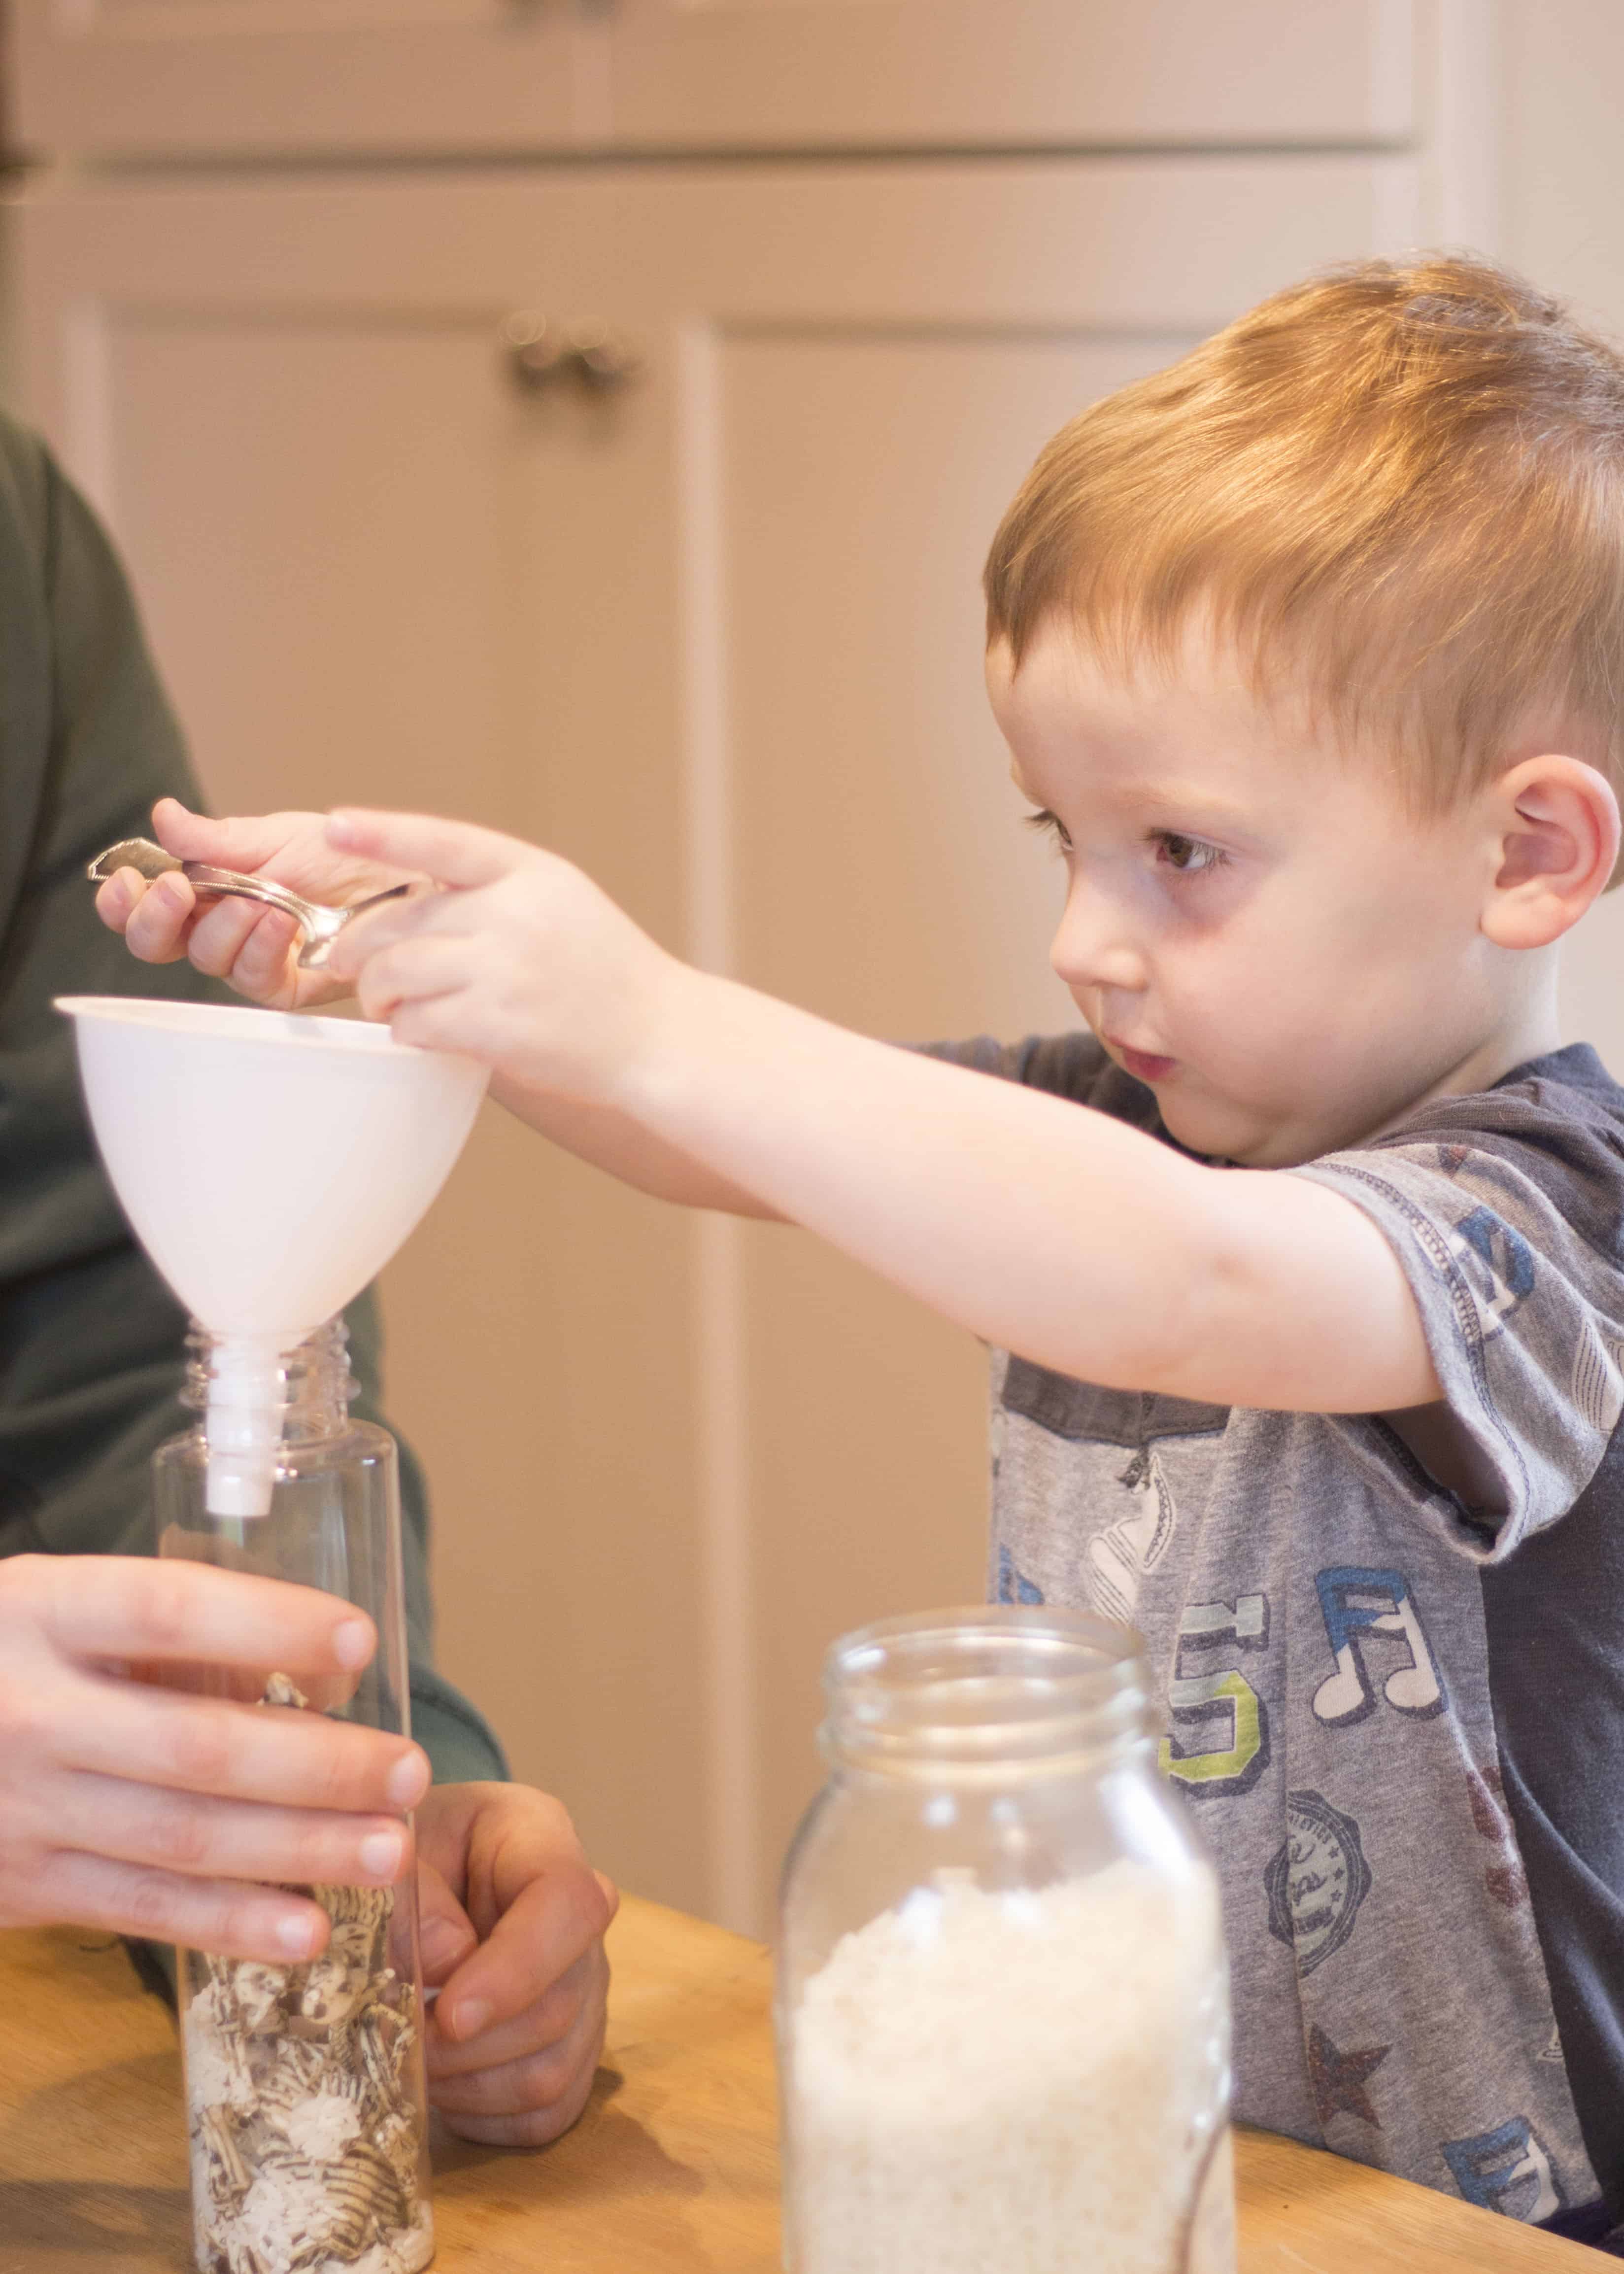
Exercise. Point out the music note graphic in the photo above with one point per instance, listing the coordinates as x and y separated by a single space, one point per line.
1350 1617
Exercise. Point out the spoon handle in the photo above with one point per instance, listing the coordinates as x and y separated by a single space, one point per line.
304 912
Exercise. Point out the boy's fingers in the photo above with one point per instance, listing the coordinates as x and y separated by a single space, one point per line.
265 1924
222 931
234 844
157 914
135 1606
450 852
261 969
413 971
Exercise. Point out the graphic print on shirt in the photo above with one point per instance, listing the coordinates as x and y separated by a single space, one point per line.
1507 2170
1338 2079
1504 1877
1353 1620
1217 1693
1119 1557
1316 1881
1497 1264
1013 1584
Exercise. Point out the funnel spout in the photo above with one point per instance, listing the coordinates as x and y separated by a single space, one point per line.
247 1398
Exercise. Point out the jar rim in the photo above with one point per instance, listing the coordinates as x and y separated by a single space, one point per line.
983 1684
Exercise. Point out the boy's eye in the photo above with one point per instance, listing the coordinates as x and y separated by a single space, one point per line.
1050 825
1188 854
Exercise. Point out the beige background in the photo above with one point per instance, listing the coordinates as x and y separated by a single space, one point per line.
718 639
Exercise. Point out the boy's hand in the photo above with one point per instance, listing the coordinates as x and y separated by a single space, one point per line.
143 1810
512 1933
525 964
252 948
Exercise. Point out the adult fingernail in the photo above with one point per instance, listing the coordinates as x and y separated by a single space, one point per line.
381 1852
296 1936
469 2017
352 1644
408 1780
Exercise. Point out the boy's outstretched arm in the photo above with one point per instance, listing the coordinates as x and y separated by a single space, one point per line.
1041 1225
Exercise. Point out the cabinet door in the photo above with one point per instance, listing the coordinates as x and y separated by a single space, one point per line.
719 637
206 78
903 73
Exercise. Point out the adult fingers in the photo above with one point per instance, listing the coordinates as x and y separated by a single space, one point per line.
552 1921
525 2104
450 852
207 1838
137 1606
266 1923
235 1752
549 2019
446 1933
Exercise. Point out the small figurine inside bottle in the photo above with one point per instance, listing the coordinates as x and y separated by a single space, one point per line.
305 2085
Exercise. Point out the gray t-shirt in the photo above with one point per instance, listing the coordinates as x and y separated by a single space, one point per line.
1400 1718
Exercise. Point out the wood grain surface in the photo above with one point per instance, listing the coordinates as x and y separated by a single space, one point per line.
672 2169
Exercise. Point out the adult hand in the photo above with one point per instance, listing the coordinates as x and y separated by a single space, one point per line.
512 1933
251 947
145 1809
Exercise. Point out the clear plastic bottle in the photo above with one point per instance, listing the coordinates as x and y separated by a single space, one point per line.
1003 2003
305 2085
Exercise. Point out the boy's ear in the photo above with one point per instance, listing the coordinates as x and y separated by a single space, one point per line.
1556 824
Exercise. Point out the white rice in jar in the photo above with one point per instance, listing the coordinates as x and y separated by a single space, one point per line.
1019 2083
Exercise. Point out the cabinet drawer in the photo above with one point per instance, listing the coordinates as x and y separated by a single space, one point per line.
202 79
980 74
196 79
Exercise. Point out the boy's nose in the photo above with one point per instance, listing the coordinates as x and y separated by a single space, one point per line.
1094 946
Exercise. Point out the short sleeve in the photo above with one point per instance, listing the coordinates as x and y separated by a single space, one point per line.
1073 1066
1508 1238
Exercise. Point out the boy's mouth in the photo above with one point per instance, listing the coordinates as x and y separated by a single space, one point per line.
1141 1064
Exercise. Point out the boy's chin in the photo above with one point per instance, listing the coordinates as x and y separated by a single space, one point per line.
1220 1131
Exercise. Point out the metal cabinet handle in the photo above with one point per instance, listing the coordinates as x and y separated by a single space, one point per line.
542 355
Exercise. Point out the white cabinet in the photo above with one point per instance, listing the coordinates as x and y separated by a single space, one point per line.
202 79
903 73
170 78
718 636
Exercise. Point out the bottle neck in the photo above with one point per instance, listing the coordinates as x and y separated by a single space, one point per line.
986 1694
314 1384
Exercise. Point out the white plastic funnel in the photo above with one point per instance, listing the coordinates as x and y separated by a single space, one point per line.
270 1166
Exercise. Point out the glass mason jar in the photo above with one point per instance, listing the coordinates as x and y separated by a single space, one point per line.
1002 2005
306 2094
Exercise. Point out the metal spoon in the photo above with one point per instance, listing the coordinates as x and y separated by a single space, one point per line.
320 924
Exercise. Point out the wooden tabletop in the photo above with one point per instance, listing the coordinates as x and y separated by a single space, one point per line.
672 2169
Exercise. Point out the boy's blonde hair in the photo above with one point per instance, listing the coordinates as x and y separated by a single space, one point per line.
1398 486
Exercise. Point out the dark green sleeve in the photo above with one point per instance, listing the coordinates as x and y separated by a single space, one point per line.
91 1341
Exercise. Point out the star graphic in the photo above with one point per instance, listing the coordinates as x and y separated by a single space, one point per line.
1338 2078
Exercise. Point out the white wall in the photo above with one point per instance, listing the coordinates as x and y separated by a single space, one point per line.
1561 221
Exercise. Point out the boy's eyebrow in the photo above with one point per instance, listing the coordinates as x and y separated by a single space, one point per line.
1190 801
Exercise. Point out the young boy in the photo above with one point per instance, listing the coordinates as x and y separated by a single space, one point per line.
1306 653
